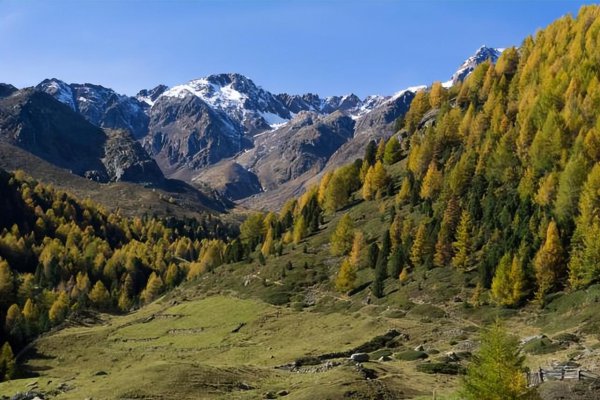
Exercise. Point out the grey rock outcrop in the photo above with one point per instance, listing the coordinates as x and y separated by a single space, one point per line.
101 106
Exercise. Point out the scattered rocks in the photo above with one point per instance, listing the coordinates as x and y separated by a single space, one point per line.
282 393
294 367
30 395
63 387
384 358
528 339
466 345
185 331
101 373
245 386
366 373
269 395
566 338
420 348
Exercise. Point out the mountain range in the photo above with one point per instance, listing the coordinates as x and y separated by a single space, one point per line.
223 131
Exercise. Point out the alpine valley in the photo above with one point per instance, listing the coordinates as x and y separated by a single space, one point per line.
216 240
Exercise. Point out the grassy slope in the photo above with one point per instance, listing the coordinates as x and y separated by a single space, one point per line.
188 350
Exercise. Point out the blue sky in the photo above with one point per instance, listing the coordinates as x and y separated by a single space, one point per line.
326 47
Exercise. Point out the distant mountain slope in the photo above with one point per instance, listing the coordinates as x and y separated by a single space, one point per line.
189 128
51 130
303 145
187 134
173 198
101 106
38 123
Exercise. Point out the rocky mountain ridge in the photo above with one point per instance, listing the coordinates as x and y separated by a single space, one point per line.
189 129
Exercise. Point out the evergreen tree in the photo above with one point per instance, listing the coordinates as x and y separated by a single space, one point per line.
380 150
436 95
397 261
377 288
300 229
323 184
343 236
8 366
373 255
584 266
99 296
569 187
153 289
391 153
346 277
59 309
268 246
508 285
396 231
357 254
375 181
497 370
173 276
432 182
14 324
419 247
548 263
31 316
463 244
386 246
370 153
6 283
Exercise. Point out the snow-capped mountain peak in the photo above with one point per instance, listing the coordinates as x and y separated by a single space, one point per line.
238 97
482 54
149 96
60 90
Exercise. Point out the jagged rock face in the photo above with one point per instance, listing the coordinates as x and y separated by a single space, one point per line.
350 104
231 180
186 134
341 103
38 123
149 96
385 114
126 160
6 90
51 130
297 103
101 106
201 128
303 145
483 54
248 106
374 125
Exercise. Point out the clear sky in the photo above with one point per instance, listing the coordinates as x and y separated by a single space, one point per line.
325 47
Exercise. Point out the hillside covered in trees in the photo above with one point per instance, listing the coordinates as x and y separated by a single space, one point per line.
499 175
486 198
59 255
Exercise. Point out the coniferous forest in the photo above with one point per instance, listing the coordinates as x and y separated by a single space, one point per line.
494 179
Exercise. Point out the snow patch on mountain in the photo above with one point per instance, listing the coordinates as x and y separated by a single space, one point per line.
60 91
238 97
482 54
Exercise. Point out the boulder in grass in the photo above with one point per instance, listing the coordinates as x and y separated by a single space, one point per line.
359 357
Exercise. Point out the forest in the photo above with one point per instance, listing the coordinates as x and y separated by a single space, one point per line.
500 175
